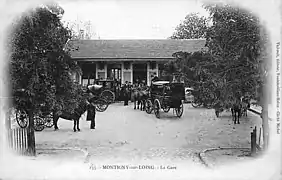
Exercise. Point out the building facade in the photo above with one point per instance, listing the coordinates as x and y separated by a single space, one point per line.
127 60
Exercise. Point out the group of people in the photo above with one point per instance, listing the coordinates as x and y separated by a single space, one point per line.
126 91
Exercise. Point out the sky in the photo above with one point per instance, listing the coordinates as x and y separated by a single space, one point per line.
124 19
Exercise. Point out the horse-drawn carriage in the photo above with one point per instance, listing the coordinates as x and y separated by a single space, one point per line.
19 113
166 95
43 118
104 89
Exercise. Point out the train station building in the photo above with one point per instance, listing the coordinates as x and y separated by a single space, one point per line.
127 60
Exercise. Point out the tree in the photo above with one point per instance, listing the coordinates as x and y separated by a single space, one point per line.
235 42
237 61
193 27
196 70
238 42
82 30
40 65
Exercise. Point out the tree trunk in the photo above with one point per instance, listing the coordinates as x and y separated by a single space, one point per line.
31 135
264 116
265 127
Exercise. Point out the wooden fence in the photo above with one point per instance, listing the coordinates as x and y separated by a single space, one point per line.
17 139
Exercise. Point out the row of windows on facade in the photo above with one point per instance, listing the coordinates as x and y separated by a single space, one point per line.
152 65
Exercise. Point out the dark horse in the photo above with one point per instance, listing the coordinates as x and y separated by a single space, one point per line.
245 106
140 94
75 116
236 111
219 108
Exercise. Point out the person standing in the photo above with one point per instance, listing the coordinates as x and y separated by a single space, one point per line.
126 93
91 115
129 91
91 112
115 88
154 78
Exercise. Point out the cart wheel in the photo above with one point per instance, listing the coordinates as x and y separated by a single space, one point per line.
101 105
149 106
49 121
39 123
22 118
157 108
108 95
179 111
166 109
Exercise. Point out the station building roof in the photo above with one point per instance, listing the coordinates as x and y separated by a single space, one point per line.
134 49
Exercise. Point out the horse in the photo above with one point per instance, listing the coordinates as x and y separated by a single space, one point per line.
245 105
144 95
140 94
75 116
236 111
218 110
125 94
220 107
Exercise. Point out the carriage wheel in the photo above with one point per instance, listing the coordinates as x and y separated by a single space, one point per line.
22 118
166 109
39 123
157 108
101 105
49 121
179 111
149 106
108 95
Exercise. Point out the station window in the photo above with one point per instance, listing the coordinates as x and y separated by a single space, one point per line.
153 65
126 65
101 65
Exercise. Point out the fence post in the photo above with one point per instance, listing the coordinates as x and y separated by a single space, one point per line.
16 138
265 126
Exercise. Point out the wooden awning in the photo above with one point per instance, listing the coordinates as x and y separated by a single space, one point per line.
121 59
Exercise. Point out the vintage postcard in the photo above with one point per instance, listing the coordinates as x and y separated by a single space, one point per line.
134 89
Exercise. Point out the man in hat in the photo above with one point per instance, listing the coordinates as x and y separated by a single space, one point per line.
91 115
129 91
91 112
126 93
154 78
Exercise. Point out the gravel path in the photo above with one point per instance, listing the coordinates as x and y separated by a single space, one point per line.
125 135
122 132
